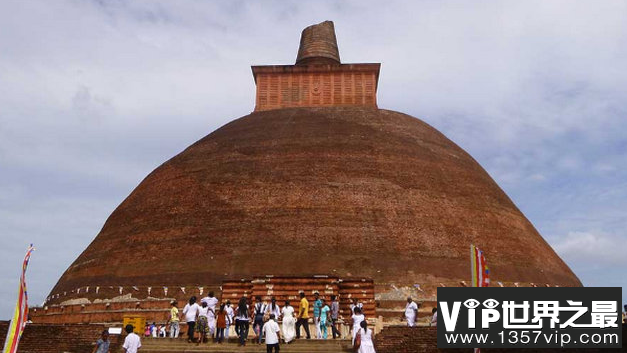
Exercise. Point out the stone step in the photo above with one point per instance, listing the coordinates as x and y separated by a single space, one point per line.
184 345
300 346
233 338
243 349
298 342
253 347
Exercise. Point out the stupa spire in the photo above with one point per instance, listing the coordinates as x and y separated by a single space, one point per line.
318 45
318 79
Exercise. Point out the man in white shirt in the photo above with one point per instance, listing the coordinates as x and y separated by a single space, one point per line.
434 318
132 343
411 312
211 301
272 334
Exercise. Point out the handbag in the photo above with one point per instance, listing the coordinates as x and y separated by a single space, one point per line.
357 342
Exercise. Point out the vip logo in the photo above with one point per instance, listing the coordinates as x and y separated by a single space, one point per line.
488 314
529 315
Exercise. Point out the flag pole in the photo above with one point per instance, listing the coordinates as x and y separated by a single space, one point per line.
20 315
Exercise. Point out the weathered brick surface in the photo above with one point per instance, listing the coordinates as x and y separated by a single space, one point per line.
307 191
402 339
46 338
318 79
282 288
318 44
358 191
316 86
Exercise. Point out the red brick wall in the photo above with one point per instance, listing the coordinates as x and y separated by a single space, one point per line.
337 85
44 338
401 339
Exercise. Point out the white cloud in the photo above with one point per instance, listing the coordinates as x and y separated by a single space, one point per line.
597 248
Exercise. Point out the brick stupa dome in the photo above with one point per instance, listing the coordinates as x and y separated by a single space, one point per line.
307 189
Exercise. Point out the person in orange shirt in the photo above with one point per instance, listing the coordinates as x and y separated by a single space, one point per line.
303 316
221 320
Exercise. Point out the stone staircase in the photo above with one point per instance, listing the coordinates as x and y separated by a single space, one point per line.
166 345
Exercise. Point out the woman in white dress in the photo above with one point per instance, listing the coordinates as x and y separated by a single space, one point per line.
289 322
357 318
365 337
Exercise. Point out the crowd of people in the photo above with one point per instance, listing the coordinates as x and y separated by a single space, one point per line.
207 321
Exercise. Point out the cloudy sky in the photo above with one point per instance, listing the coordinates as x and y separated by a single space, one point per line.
95 94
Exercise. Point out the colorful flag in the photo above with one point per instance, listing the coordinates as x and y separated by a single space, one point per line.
20 316
480 272
479 268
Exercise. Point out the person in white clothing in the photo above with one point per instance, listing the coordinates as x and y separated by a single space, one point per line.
289 322
366 343
356 304
357 318
434 318
191 311
272 333
132 342
411 312
273 308
202 323
242 321
212 302
229 319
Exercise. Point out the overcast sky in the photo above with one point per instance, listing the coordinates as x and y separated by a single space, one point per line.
95 94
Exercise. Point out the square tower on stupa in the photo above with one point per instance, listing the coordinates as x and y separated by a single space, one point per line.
318 79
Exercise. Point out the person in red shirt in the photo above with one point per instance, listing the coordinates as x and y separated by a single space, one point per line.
221 320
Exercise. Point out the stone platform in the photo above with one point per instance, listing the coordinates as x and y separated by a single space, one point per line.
165 345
